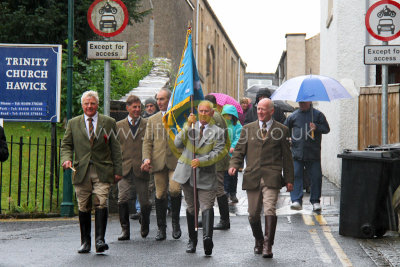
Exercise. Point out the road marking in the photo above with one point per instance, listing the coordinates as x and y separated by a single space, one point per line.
308 219
336 247
319 247
320 219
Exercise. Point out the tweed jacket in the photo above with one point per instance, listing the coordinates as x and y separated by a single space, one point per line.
209 150
158 146
105 154
131 147
265 159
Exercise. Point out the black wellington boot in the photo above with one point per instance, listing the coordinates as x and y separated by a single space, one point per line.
161 212
85 224
208 226
270 227
123 209
101 216
224 222
191 246
175 209
145 220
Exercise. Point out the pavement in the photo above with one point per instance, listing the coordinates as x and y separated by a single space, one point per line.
304 238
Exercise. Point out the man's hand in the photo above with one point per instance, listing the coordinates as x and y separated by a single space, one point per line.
289 187
146 166
117 178
195 163
67 164
191 119
232 171
313 127
231 150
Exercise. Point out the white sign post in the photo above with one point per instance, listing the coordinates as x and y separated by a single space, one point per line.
107 50
383 23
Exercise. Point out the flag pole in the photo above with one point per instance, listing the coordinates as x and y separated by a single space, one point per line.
196 219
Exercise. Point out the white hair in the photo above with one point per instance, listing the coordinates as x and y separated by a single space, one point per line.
90 93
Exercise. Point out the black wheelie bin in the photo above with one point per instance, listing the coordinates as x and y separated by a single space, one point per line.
369 178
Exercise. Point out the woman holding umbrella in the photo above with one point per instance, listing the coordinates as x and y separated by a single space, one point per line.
231 117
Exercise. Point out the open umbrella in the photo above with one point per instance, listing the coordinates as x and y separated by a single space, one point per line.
223 99
310 88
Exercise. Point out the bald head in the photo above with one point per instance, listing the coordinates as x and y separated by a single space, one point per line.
265 109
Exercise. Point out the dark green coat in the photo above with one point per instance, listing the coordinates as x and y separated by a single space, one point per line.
105 153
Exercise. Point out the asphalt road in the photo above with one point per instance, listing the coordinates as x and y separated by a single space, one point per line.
303 238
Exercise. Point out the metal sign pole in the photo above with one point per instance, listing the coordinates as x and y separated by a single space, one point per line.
107 80
385 81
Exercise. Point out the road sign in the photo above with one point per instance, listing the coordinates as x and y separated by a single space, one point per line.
381 54
108 17
383 20
30 82
107 50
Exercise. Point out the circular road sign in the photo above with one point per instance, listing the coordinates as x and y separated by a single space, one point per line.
107 17
383 20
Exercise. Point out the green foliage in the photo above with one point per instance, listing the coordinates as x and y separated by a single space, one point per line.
46 21
89 75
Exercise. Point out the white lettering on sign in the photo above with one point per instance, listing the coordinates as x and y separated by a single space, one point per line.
22 61
26 86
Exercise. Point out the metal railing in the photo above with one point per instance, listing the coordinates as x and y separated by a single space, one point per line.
30 179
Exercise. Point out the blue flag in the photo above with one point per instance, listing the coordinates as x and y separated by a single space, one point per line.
187 86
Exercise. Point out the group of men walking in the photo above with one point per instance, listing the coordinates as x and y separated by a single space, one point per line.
101 151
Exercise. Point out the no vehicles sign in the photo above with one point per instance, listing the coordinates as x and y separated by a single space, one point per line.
383 20
107 17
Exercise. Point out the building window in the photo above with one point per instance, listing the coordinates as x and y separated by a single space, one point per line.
210 62
330 13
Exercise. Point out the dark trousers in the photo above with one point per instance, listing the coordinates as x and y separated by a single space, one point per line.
230 183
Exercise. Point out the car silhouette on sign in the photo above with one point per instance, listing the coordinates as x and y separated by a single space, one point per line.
108 21
385 25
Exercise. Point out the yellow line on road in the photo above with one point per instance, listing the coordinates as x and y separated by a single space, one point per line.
319 247
336 247
308 219
40 219
321 220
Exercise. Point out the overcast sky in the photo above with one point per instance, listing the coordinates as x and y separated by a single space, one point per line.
257 28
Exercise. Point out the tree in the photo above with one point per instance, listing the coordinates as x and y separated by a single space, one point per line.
46 21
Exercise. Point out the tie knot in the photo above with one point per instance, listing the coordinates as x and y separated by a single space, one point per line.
90 119
264 125
202 127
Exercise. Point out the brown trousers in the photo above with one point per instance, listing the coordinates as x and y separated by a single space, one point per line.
91 185
125 187
262 197
163 181
205 198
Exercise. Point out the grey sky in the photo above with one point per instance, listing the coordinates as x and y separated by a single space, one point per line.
257 28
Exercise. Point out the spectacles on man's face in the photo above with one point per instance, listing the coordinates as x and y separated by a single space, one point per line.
149 106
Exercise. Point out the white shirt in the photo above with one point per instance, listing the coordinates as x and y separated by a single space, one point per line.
95 119
269 124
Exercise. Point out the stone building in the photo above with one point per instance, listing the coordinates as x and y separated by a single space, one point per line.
162 34
301 57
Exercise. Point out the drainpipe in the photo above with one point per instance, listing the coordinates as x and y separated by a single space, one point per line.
367 67
238 85
151 33
197 31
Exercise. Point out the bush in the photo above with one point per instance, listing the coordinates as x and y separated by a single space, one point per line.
89 75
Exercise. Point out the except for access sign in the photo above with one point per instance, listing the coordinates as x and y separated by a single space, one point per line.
381 54
108 17
383 20
107 50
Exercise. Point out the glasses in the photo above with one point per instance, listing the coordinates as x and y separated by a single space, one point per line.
149 106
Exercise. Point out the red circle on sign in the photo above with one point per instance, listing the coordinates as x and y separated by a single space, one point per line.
108 34
367 17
